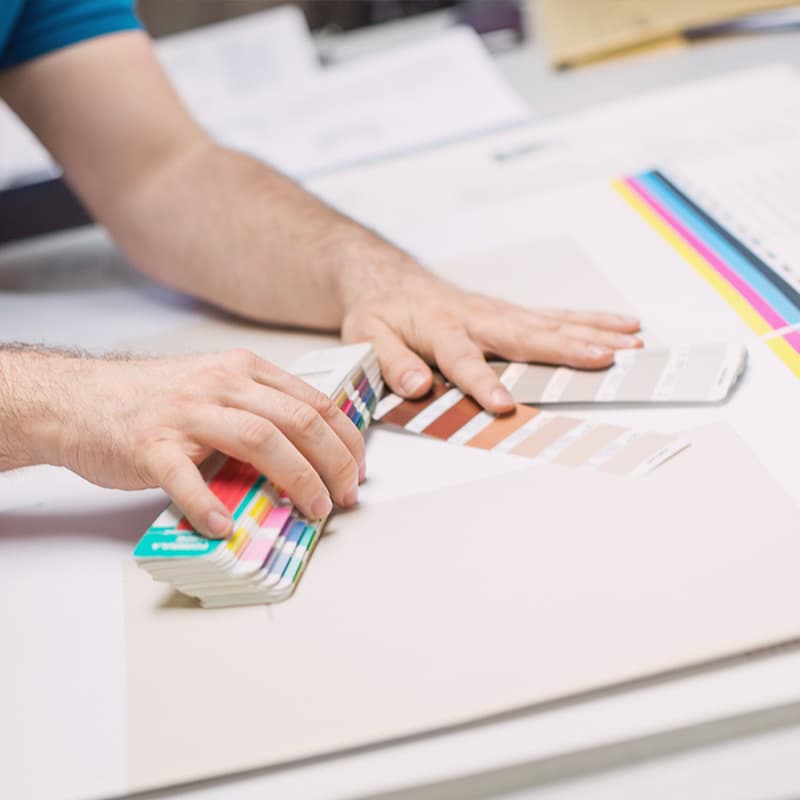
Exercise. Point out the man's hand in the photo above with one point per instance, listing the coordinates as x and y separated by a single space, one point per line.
148 423
422 319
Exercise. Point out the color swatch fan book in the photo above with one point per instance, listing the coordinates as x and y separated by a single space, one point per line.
272 542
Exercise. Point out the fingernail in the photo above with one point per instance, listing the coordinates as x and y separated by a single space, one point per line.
501 397
351 497
628 341
626 320
411 382
362 472
321 506
218 523
598 351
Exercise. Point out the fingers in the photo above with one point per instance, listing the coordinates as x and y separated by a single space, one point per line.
403 370
601 320
462 361
259 442
313 433
605 338
516 343
517 334
520 336
266 374
178 476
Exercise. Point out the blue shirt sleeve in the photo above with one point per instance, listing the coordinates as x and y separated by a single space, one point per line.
47 25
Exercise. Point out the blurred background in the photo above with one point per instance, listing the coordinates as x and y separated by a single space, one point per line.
163 18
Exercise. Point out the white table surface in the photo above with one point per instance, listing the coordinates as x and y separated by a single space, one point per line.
734 732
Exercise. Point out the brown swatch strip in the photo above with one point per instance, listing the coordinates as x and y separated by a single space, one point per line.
453 419
408 409
504 426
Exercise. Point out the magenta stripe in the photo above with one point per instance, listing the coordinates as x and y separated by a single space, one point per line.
744 289
793 340
258 550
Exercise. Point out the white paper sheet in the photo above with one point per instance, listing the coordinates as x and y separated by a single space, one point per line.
229 62
407 198
437 90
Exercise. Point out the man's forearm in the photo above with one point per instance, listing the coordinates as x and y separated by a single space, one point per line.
231 230
29 419
211 222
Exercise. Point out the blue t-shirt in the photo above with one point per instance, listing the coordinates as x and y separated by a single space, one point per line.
31 28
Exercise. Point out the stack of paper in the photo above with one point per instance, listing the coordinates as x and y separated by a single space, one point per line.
272 542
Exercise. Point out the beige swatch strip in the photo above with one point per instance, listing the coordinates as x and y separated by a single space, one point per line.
692 374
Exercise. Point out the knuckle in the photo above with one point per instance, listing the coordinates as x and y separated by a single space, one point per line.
345 470
218 376
323 405
303 419
305 479
241 359
167 474
519 343
573 353
256 433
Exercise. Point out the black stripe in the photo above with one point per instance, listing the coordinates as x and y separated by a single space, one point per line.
788 291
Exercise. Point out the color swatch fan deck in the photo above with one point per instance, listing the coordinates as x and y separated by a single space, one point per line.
272 542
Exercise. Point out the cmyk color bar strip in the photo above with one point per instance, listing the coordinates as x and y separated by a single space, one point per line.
758 295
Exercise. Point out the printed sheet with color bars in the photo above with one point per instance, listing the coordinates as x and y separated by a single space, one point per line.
756 290
272 542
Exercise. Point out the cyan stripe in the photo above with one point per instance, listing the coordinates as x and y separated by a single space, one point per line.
717 244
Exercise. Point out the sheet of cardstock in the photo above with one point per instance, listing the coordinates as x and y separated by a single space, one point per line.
553 271
455 605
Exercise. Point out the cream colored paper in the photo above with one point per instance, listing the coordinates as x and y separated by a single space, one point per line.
444 608
553 271
579 30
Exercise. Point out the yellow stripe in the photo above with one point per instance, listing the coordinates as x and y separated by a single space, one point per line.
754 320
257 506
237 540
786 353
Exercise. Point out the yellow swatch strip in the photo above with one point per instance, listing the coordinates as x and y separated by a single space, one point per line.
754 320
